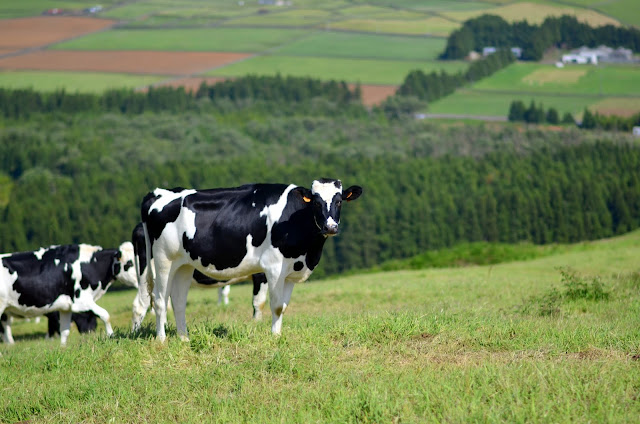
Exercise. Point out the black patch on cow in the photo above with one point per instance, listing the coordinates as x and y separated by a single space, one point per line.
258 280
224 218
128 265
203 279
298 266
77 293
41 281
139 247
101 270
157 220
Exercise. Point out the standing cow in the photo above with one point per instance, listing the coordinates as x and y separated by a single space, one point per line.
232 233
67 279
142 300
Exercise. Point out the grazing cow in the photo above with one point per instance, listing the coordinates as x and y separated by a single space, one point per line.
231 233
67 279
142 300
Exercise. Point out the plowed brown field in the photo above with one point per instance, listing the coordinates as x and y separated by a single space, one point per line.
142 62
42 30
375 94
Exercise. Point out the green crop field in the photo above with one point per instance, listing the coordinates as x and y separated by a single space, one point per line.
576 79
339 44
553 339
474 102
18 9
200 39
84 82
436 26
293 18
351 70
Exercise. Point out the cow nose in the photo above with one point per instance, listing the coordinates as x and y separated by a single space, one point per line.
331 229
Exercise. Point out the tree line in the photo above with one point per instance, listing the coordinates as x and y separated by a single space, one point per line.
286 91
563 32
80 177
433 86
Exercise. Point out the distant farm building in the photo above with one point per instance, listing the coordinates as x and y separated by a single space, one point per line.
585 55
486 51
636 131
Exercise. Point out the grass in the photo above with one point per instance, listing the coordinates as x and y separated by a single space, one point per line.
202 39
351 70
474 102
340 44
85 82
436 345
19 9
292 18
607 79
536 13
436 26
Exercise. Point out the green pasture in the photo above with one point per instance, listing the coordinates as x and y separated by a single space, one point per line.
486 344
197 39
606 80
366 71
431 5
348 45
436 26
291 18
19 9
626 11
473 102
85 82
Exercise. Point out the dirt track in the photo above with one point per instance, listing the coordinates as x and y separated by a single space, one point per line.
138 62
16 34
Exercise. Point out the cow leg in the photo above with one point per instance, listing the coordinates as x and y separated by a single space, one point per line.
260 289
223 295
65 326
7 337
101 313
160 294
179 290
141 304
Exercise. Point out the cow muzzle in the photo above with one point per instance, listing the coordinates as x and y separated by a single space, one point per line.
330 230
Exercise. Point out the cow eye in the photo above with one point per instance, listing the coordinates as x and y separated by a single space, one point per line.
338 203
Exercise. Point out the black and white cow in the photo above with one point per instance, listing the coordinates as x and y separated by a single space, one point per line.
67 279
142 300
231 233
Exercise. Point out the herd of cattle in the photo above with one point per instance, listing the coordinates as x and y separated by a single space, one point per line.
271 233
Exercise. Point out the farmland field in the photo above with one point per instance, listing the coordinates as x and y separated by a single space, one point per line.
201 39
338 44
436 26
365 71
448 345
578 79
474 102
84 82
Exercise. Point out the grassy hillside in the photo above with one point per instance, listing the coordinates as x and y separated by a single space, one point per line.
512 342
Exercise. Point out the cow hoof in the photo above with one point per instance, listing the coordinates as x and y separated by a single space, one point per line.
184 338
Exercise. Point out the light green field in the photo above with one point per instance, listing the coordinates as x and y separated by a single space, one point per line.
340 44
430 26
18 8
84 82
536 13
293 18
608 80
433 5
626 11
365 71
480 103
202 39
448 345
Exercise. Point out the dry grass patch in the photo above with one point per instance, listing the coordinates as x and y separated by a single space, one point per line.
554 76
620 106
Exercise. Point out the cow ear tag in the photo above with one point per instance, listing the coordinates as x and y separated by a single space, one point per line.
306 199
350 194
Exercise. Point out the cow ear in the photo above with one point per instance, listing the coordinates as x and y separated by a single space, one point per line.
352 193
304 193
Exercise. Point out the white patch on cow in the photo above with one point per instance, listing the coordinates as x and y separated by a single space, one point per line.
274 212
167 197
40 252
326 191
188 218
253 204
85 255
128 276
56 261
331 222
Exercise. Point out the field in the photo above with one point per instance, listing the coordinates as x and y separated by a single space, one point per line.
84 82
455 345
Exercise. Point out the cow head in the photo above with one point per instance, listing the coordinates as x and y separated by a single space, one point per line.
325 199
123 265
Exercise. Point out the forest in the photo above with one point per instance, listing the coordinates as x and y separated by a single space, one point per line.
79 177
564 31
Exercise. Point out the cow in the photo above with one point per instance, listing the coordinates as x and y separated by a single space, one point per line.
85 321
68 278
142 300
231 233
